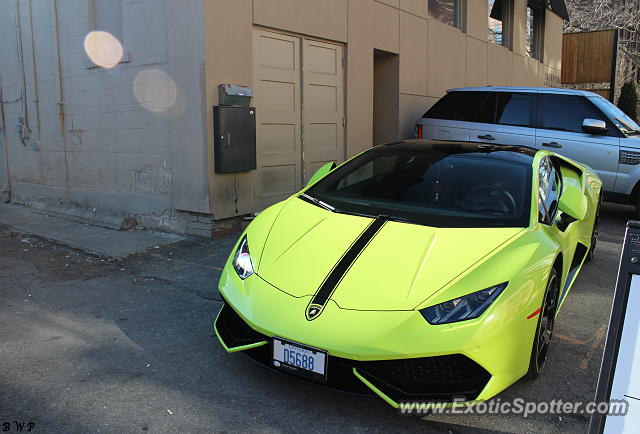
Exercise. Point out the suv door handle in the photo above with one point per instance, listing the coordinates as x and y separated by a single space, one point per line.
552 145
486 137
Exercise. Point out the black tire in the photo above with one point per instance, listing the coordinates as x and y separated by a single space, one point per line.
544 329
594 233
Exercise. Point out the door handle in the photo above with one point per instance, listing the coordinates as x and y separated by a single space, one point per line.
552 145
486 137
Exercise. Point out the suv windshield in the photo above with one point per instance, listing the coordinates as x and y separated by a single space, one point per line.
431 187
627 125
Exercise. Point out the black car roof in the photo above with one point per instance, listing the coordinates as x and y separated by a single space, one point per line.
521 154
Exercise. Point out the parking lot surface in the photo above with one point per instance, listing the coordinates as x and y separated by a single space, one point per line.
89 345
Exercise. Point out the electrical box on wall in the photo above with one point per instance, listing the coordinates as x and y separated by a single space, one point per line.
234 130
234 94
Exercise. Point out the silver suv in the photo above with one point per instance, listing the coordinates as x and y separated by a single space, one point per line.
581 125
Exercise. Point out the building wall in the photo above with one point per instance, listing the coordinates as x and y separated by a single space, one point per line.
433 57
133 137
136 139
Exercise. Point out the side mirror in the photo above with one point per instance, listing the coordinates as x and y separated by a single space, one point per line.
572 201
321 172
594 126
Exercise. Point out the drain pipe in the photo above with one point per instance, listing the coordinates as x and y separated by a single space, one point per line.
6 188
58 68
34 76
24 124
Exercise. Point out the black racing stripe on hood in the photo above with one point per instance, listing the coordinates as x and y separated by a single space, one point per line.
340 269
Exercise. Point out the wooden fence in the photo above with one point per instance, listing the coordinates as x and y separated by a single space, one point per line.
589 61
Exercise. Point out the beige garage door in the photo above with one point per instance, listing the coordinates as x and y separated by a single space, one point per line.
323 105
299 97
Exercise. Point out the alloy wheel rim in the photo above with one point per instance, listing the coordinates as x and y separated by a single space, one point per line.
596 228
547 321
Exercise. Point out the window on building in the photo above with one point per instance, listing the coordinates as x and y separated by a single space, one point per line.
107 16
105 45
447 11
500 12
534 21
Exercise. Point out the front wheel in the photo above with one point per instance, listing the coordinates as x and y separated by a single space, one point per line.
544 331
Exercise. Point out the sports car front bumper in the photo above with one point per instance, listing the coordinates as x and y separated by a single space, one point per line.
395 354
439 378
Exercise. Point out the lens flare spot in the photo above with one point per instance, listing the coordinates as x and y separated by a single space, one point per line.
103 49
155 90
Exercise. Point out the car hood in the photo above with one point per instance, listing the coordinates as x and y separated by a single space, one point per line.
400 267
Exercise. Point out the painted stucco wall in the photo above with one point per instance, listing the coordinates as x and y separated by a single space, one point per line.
433 57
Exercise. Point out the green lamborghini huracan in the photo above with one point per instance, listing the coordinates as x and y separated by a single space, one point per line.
417 270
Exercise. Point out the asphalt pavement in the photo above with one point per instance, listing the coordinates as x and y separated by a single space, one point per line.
95 345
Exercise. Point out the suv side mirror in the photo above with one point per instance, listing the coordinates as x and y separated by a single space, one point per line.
321 172
594 126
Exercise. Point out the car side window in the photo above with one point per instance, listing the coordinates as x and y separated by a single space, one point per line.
457 106
565 112
507 108
548 191
514 109
487 112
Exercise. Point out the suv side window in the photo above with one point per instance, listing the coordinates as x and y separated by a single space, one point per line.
548 191
514 109
507 108
457 106
566 113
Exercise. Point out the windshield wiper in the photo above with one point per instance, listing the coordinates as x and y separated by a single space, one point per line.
317 202
626 128
394 218
628 132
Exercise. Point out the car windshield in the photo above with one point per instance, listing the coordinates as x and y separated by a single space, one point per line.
431 187
617 116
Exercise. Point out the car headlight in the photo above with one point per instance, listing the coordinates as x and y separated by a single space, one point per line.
242 260
462 308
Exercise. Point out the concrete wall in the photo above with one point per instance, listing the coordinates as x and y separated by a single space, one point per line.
132 141
433 57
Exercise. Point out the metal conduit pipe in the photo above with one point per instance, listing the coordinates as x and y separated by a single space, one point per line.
34 75
6 188
24 125
57 65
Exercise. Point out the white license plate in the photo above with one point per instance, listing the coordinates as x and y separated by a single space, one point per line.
301 359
